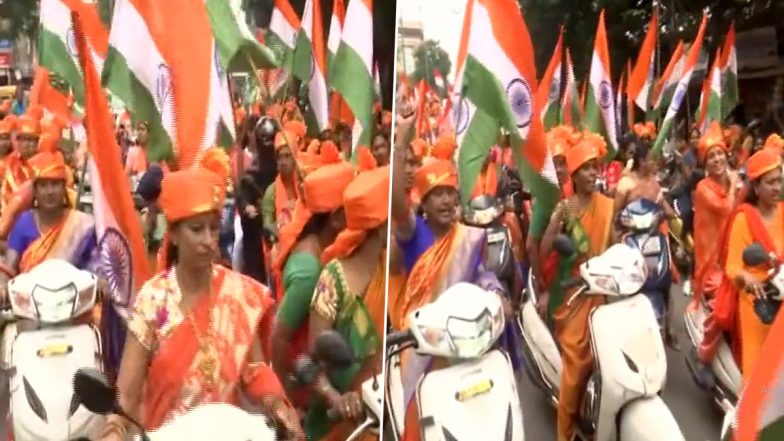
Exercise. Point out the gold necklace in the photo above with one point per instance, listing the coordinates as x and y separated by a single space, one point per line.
207 358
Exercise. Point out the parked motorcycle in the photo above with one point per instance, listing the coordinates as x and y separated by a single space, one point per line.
724 366
58 298
331 353
207 422
621 400
640 221
475 397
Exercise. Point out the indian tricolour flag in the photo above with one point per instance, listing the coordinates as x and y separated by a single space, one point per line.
57 44
310 66
760 414
666 85
335 30
729 73
600 101
571 113
710 99
238 48
496 80
282 33
641 79
681 88
549 93
352 71
137 73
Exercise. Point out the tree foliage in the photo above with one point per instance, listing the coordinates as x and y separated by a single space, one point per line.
22 15
430 56
627 23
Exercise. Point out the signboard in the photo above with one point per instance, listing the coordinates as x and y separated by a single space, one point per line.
5 43
5 59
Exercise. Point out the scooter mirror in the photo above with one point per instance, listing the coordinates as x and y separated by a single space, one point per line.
94 391
563 245
331 348
755 255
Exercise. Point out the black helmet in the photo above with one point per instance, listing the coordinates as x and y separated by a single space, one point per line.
266 129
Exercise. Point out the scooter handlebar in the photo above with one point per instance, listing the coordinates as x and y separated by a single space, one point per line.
571 282
398 338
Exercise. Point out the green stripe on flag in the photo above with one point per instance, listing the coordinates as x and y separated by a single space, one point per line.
120 79
239 52
354 82
53 54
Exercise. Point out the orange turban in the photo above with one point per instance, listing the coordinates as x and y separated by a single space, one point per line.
713 137
329 153
445 146
419 146
6 126
193 191
365 159
285 138
597 140
48 165
559 140
775 143
322 193
580 154
48 142
434 174
51 127
26 125
762 162
645 130
366 201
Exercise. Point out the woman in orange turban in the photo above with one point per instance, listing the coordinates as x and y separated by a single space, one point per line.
197 332
714 203
318 218
586 217
281 196
349 298
759 219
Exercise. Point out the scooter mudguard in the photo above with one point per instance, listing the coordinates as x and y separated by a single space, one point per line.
629 356
648 419
543 361
43 405
216 421
473 400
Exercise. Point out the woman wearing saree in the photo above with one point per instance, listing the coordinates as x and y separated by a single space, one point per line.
438 252
318 218
759 219
197 330
586 217
714 202
349 298
51 229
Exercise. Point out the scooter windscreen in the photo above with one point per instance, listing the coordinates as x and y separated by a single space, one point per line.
463 323
52 292
641 215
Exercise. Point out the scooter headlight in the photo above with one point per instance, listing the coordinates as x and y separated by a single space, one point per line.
607 283
472 338
55 306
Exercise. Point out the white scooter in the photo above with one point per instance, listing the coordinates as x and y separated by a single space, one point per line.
622 400
209 422
53 297
475 398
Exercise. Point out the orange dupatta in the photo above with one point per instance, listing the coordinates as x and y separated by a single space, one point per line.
39 249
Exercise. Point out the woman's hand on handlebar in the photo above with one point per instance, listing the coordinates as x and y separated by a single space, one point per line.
348 405
288 419
752 285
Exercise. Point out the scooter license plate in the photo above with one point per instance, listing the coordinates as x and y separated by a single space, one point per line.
651 246
476 389
55 350
496 237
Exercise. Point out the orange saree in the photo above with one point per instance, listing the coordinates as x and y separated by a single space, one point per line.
202 356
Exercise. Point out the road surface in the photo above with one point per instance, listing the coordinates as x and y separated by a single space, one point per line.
697 417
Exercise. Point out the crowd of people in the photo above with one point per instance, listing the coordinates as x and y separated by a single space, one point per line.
257 251
726 182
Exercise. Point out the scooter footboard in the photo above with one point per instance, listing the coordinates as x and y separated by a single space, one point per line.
648 419
472 400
